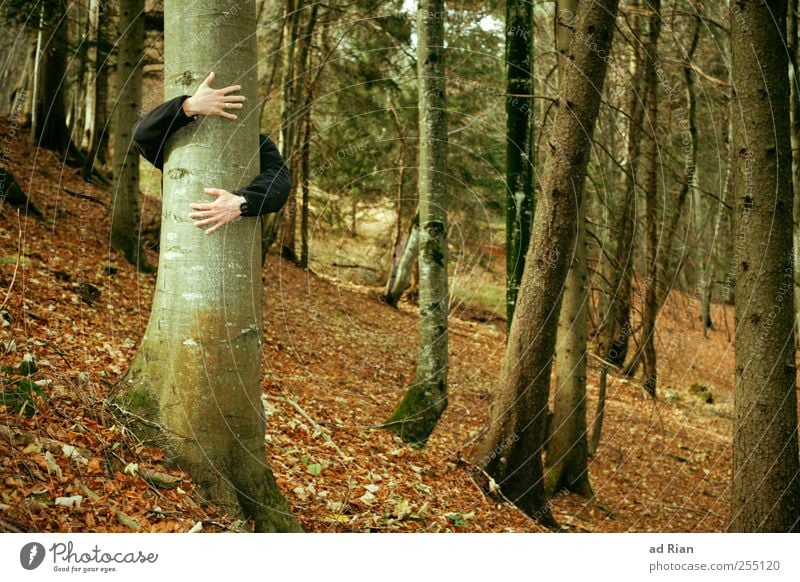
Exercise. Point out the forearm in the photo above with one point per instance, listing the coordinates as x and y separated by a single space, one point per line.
269 190
151 133
267 193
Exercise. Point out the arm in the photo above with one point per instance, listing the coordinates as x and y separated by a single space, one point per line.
150 134
269 190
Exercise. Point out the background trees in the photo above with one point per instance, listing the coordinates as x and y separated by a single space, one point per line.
657 240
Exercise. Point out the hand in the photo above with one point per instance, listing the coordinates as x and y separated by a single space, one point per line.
226 208
208 101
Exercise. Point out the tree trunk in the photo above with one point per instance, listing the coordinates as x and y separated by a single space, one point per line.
50 130
766 472
125 208
650 308
97 154
197 372
305 154
567 449
617 328
794 77
401 277
289 115
519 167
705 260
394 263
416 416
511 449
90 76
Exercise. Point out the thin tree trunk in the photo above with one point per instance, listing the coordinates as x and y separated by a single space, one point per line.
97 154
567 449
650 308
766 471
617 331
289 117
401 275
305 154
197 372
519 167
37 73
417 414
125 207
398 231
794 78
691 177
512 447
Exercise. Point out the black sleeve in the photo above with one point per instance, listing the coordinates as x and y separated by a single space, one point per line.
269 190
151 132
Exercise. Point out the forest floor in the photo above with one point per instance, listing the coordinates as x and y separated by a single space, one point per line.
336 361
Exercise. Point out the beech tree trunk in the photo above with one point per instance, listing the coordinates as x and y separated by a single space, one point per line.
125 207
511 449
197 372
766 472
519 163
417 414
567 449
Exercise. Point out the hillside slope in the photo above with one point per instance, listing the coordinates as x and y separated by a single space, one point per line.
335 363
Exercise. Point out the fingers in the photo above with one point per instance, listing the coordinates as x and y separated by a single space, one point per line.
230 89
235 98
216 226
210 79
214 191
227 115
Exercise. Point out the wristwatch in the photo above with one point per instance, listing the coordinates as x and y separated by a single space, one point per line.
244 206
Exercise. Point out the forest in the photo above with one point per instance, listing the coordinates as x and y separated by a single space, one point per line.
395 266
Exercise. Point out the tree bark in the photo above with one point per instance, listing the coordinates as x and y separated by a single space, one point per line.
197 371
766 472
567 449
617 325
650 309
511 449
394 263
401 277
794 78
289 117
519 166
125 207
98 149
417 414
49 129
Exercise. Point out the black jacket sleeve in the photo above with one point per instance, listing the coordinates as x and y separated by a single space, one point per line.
269 190
151 132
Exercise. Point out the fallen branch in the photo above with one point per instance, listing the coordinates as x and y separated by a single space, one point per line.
353 266
84 196
322 431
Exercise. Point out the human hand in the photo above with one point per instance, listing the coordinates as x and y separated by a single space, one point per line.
208 101
226 208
